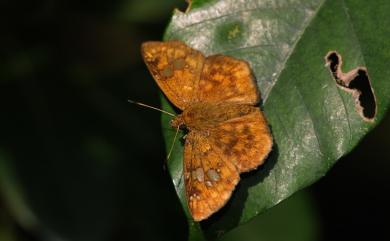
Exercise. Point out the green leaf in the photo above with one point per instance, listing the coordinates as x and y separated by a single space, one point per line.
313 121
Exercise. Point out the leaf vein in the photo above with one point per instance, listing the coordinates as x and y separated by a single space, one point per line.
300 34
311 119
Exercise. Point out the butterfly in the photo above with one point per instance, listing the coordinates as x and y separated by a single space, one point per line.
227 133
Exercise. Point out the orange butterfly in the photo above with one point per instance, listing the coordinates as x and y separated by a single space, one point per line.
227 134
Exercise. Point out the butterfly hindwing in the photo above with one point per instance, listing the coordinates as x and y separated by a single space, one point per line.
234 139
209 177
246 140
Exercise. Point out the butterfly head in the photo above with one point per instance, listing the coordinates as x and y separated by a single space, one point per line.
178 122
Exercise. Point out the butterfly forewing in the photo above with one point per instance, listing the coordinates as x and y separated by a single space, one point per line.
226 79
176 69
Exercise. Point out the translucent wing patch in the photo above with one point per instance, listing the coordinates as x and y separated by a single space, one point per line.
226 79
210 178
245 141
176 69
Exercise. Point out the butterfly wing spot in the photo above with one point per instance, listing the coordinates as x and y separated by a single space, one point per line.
195 194
187 87
179 64
198 174
232 143
213 175
246 130
209 184
167 72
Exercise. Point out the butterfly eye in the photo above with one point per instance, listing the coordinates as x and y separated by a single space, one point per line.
178 122
175 123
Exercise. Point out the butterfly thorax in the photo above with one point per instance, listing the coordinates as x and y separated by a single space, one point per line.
203 116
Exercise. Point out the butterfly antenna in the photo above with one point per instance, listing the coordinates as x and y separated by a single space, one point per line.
151 107
173 143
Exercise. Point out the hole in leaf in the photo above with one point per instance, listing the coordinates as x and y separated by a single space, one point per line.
366 97
355 81
333 60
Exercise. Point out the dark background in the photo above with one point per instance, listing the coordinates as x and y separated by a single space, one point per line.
89 165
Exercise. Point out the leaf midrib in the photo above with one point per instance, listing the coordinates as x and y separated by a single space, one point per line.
293 46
